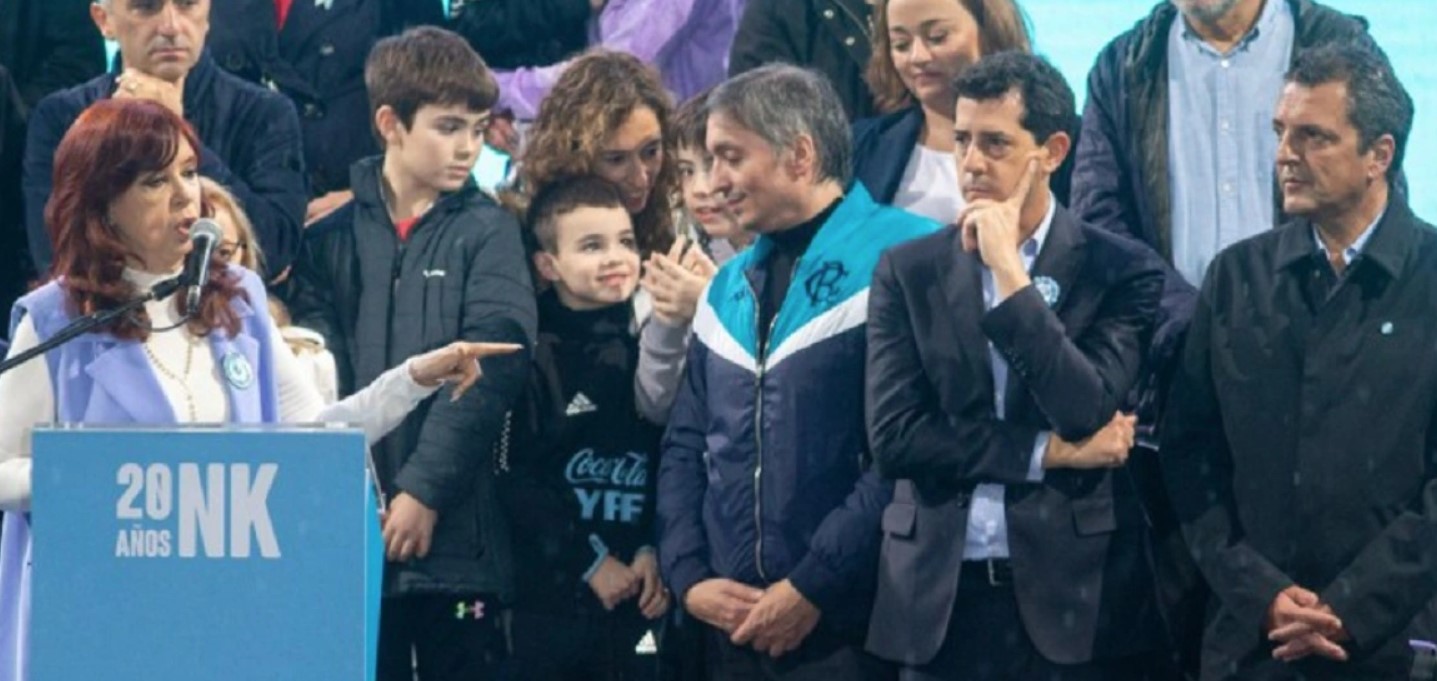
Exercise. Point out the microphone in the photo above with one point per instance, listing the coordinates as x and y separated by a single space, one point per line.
205 234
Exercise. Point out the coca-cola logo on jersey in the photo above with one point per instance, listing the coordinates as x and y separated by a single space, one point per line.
625 470
594 478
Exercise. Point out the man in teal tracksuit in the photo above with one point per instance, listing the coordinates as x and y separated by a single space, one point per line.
769 509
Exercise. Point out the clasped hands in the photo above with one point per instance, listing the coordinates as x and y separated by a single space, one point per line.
615 582
1302 625
775 620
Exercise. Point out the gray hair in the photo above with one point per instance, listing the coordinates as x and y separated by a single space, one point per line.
780 102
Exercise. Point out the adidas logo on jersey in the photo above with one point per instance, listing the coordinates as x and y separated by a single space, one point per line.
581 404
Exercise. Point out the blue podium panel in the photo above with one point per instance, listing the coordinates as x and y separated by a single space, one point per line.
203 553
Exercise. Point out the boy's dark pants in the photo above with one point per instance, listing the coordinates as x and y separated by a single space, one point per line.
579 647
446 637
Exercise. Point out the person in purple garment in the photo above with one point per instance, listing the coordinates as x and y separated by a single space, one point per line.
120 227
686 40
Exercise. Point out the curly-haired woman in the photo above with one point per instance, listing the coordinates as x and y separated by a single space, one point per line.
609 116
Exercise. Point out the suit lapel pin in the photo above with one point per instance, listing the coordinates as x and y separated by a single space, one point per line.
1387 328
324 4
1049 289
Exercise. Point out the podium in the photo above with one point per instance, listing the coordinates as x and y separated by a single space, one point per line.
204 553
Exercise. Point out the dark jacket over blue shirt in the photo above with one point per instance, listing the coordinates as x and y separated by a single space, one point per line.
251 144
1121 180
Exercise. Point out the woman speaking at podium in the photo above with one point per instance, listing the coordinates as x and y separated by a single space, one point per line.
126 193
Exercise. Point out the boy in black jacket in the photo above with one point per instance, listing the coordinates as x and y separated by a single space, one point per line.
421 258
584 464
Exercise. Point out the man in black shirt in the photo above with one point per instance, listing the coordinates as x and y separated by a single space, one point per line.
1300 441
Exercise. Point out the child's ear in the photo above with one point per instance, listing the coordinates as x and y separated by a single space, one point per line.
546 267
386 121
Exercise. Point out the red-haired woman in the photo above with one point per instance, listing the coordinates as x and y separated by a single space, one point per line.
126 192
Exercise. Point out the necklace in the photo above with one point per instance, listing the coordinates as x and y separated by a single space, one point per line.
184 380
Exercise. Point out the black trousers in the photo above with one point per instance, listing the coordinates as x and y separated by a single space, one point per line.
578 647
986 641
683 648
439 638
820 658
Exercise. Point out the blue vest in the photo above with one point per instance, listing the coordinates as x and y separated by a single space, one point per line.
98 378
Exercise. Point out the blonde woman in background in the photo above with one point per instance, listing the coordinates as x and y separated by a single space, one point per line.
240 248
905 157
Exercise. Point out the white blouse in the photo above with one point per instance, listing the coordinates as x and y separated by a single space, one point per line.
28 397
930 186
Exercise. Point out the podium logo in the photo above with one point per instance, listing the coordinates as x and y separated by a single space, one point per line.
214 514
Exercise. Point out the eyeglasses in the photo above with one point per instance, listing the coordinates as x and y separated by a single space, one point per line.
228 249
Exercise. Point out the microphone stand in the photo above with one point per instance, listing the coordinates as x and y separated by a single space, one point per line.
92 321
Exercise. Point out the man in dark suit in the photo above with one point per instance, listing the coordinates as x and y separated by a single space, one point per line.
1300 446
249 135
1000 356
